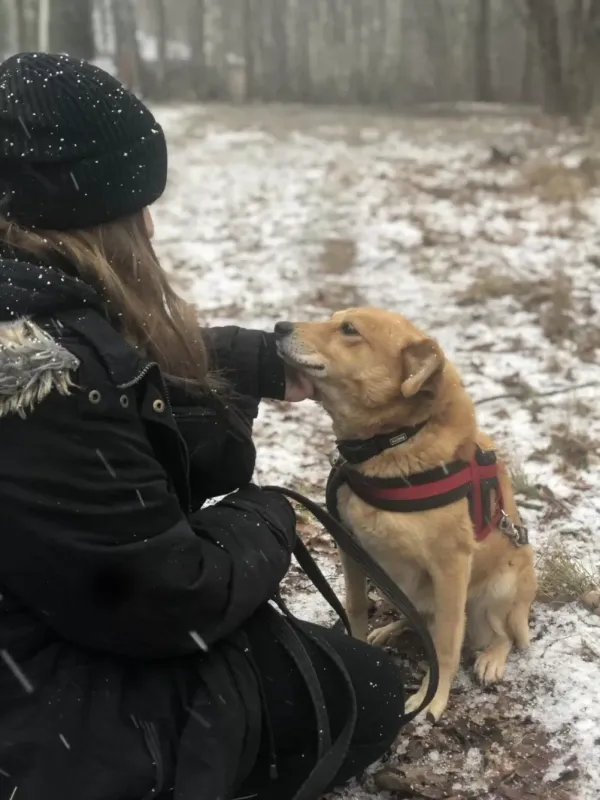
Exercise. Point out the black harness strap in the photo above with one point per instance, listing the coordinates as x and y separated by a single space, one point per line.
355 451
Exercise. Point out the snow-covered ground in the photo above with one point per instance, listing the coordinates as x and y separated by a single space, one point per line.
275 213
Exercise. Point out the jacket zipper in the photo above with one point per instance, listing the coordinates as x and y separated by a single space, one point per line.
140 377
141 374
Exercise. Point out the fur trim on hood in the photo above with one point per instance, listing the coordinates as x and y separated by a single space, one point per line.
32 364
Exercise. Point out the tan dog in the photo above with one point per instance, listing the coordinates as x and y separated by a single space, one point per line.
375 372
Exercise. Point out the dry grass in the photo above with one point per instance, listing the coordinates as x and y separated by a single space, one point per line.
563 578
489 285
555 306
521 482
588 342
338 256
332 297
555 291
559 315
573 445
553 182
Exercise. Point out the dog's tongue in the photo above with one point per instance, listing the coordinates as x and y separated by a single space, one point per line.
297 386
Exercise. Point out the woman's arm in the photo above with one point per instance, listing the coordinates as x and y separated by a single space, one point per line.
93 539
248 359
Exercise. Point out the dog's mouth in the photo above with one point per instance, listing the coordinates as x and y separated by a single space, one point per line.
300 362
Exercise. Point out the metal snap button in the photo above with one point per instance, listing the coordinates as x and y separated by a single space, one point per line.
158 406
124 400
94 396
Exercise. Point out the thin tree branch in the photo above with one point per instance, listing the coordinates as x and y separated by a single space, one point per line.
527 395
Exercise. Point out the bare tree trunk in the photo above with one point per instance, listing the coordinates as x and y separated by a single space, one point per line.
402 89
21 24
249 54
71 28
357 86
162 38
129 61
375 40
280 48
4 30
432 21
197 12
13 24
303 30
526 91
574 59
32 10
484 91
544 21
44 25
105 26
589 77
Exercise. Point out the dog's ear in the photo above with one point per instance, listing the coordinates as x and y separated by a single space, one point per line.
422 364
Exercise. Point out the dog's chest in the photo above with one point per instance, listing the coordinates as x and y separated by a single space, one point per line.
391 540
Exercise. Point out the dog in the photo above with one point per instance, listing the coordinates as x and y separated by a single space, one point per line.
402 415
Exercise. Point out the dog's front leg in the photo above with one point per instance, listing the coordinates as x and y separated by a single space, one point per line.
450 584
357 602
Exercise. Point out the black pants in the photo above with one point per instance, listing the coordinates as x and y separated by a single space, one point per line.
378 685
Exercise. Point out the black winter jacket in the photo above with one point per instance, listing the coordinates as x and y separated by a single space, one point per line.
123 669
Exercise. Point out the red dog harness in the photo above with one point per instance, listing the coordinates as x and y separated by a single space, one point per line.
477 480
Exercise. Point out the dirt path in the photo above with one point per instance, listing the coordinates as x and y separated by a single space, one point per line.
275 213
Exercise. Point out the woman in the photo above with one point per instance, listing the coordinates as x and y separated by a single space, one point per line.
140 656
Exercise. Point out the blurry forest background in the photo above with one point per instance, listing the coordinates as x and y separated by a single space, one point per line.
385 53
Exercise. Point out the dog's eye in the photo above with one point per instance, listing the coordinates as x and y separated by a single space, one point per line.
348 329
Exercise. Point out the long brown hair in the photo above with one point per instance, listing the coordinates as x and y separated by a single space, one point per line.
117 260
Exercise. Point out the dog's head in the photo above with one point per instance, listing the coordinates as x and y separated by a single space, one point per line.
367 365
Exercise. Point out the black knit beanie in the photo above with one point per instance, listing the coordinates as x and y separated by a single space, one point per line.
76 148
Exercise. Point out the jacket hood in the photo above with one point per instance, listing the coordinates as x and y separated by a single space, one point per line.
32 363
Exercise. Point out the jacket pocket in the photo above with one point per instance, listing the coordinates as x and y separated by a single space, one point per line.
183 413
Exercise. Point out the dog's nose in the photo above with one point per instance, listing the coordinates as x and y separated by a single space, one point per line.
284 328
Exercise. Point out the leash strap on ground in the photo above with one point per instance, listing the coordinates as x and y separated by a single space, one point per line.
388 588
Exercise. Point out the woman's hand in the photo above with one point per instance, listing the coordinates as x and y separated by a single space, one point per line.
297 386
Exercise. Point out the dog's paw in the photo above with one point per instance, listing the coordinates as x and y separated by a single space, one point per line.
490 666
381 636
435 709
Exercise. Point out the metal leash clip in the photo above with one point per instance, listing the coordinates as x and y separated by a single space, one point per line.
336 459
516 533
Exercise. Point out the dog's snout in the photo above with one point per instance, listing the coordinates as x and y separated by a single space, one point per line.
284 328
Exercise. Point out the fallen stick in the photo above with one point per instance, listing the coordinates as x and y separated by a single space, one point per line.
529 395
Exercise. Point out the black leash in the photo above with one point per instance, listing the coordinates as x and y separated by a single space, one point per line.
320 582
388 588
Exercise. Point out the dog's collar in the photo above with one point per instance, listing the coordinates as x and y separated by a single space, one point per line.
355 451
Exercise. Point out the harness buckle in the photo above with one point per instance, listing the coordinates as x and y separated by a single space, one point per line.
336 459
516 533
